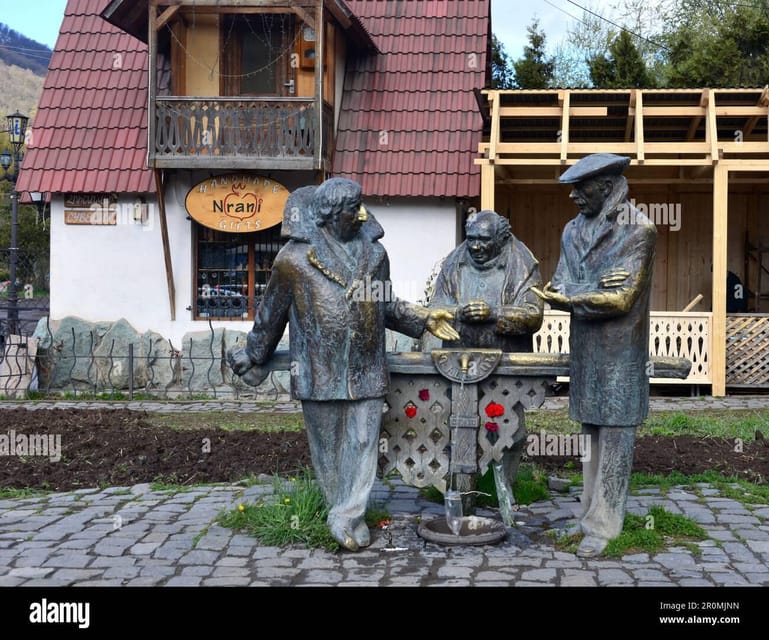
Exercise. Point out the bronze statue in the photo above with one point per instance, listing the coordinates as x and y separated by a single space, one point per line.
337 341
603 279
487 284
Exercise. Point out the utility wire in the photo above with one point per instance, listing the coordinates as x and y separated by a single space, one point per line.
620 27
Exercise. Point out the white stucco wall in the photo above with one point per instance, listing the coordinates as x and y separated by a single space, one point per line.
104 273
418 233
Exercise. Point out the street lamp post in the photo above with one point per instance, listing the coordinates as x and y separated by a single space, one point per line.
17 130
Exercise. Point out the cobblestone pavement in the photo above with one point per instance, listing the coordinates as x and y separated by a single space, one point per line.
140 536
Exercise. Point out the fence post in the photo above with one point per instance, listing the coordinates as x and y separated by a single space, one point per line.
130 370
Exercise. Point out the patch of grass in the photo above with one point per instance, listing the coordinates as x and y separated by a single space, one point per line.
229 420
158 485
713 422
294 514
732 487
530 486
376 514
744 491
10 493
651 533
717 422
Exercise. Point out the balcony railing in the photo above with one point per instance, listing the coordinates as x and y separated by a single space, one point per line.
240 133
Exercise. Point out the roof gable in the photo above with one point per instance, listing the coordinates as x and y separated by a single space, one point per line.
409 122
90 130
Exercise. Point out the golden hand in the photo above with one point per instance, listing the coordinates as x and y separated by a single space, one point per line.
438 323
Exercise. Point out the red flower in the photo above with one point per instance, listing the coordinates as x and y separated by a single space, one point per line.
492 426
424 395
411 411
494 410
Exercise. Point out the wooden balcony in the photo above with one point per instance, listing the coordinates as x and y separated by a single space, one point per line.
241 133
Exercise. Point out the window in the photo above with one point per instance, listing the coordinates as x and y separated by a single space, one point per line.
232 270
256 50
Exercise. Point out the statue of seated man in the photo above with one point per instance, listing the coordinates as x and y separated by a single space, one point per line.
486 284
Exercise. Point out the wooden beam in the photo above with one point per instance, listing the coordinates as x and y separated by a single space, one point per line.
745 147
305 17
160 190
673 111
320 36
152 37
695 123
166 16
564 133
720 241
630 116
488 184
711 128
639 128
494 136
763 101
552 112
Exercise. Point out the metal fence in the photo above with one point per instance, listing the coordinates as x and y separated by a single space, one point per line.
81 365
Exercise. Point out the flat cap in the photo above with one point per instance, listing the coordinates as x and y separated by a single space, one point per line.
594 165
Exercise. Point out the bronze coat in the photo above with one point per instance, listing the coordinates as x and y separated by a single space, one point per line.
609 335
517 312
337 341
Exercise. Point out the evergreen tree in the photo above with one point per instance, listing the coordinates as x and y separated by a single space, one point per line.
534 70
623 68
501 73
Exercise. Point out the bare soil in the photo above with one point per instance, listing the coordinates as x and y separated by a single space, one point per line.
121 447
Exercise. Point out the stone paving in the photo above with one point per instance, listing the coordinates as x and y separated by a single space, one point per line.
138 536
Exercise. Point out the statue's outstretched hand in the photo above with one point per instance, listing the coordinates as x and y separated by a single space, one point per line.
555 298
438 323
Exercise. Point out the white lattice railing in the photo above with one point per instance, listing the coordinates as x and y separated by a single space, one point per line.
673 334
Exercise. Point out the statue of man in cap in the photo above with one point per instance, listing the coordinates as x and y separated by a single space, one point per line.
603 279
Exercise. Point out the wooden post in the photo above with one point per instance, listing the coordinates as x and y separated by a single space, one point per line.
320 35
487 186
564 97
639 127
160 189
720 236
152 36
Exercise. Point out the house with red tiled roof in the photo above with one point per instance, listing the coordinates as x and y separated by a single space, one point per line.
169 135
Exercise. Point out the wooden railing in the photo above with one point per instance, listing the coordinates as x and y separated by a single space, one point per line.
747 350
672 334
265 133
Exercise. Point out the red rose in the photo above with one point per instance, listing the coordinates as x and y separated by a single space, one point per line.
424 395
411 411
492 426
494 410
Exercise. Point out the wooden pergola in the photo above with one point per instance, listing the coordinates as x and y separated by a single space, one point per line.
717 137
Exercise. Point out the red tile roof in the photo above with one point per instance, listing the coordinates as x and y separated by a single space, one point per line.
90 131
409 122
